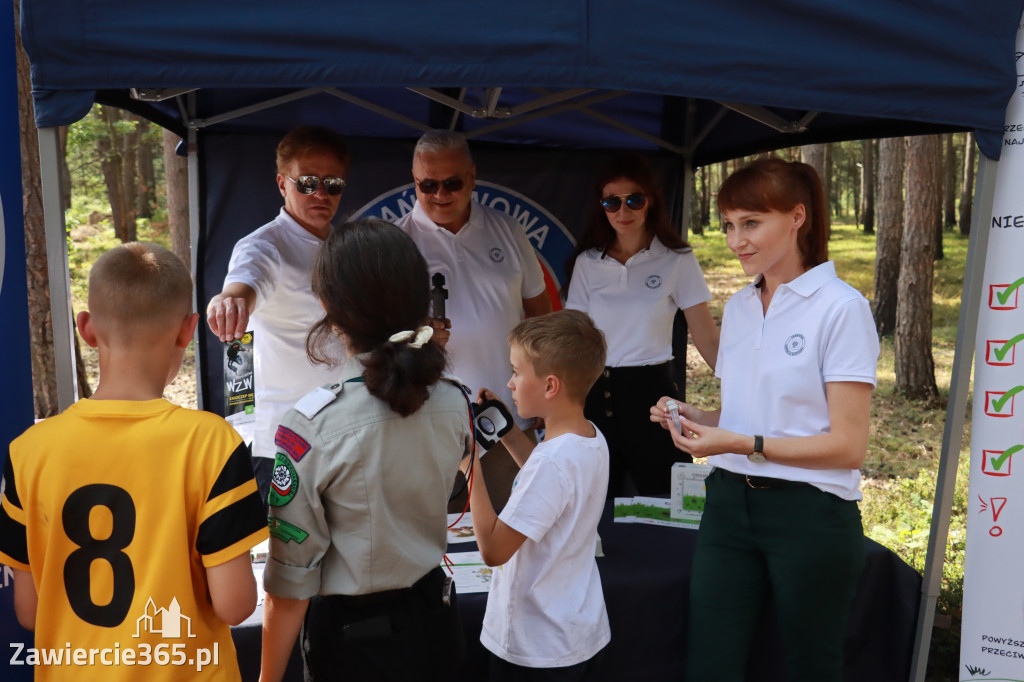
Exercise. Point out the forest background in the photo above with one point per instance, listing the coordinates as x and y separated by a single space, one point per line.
901 213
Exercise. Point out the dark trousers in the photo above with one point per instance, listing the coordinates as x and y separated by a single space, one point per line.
619 404
803 546
398 635
503 671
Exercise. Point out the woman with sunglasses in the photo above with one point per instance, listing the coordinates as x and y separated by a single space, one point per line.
631 273
358 502
797 362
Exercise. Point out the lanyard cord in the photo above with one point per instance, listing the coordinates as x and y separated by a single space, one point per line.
472 461
469 478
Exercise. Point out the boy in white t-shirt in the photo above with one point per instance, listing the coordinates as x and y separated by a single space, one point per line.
546 617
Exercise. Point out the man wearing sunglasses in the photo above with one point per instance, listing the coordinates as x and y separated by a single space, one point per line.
491 272
268 288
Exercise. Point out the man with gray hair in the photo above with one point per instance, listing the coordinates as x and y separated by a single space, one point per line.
491 272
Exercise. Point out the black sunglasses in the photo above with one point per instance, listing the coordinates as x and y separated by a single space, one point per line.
307 184
434 186
613 202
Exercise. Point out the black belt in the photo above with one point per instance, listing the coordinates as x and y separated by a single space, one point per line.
355 601
638 371
763 482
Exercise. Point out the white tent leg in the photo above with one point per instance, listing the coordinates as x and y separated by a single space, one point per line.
57 268
193 223
952 437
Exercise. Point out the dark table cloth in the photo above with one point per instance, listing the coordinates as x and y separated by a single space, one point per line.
646 573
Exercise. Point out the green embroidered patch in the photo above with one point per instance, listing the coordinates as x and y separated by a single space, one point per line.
285 482
286 532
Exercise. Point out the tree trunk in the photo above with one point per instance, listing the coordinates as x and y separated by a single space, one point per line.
826 185
130 176
949 183
44 375
940 174
855 186
890 232
814 155
111 150
915 368
967 188
694 207
705 196
147 170
867 187
65 172
176 172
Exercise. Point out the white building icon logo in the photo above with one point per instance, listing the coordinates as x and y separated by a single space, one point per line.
164 622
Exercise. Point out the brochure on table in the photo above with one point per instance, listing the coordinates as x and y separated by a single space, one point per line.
682 510
469 572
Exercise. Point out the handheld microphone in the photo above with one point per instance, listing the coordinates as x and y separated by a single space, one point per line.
438 295
491 421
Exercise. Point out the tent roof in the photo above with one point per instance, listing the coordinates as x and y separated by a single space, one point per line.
675 71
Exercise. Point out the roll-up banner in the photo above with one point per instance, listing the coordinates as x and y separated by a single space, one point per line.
992 635
16 408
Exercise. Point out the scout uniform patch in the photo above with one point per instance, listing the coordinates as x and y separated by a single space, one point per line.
291 442
285 482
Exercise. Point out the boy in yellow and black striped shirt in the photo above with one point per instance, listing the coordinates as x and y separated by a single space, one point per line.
128 520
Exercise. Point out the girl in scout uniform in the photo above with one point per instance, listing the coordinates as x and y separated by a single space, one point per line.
631 273
364 466
797 364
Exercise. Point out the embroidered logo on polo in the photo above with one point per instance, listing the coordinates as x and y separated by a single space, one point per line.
285 482
795 344
291 442
552 242
496 254
653 282
286 532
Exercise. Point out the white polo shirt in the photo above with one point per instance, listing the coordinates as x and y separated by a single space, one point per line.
635 303
546 607
276 260
489 268
774 367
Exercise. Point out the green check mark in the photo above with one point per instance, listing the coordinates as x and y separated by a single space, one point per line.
1005 295
997 462
1001 352
999 403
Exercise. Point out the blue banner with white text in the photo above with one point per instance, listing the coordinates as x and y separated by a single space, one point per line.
16 387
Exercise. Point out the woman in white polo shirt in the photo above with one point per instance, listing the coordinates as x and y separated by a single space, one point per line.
797 361
631 273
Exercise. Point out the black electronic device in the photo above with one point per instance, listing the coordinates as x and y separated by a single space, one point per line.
491 421
438 295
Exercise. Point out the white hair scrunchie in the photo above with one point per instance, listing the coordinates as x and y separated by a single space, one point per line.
416 338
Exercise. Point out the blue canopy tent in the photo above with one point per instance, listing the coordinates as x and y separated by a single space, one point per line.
694 82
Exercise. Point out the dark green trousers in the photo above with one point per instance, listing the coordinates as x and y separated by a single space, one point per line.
801 545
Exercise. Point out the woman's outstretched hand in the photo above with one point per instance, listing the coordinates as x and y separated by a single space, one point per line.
698 434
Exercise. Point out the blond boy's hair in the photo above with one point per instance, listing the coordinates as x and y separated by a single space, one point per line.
140 283
566 344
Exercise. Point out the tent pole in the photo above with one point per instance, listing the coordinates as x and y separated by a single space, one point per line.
956 408
688 190
57 269
193 229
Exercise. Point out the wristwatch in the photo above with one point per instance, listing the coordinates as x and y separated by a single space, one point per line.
757 456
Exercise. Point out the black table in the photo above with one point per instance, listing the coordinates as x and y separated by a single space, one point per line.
646 573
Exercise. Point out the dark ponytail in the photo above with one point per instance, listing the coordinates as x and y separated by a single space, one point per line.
373 283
